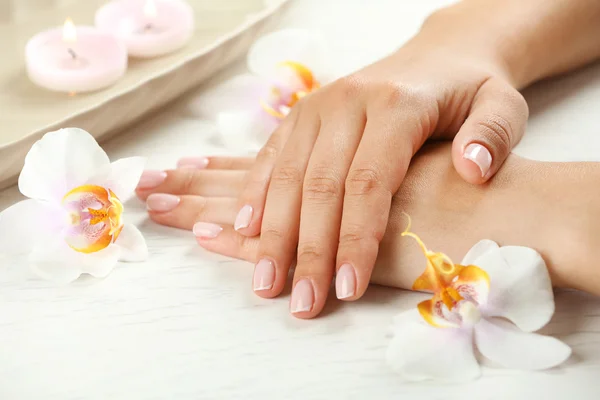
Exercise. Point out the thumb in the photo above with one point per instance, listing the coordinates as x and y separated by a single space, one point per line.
495 124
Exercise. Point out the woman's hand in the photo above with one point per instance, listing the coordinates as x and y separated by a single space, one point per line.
449 214
323 184
320 191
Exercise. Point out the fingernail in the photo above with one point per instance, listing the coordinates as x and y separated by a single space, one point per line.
264 275
151 179
206 230
193 162
243 218
303 297
161 202
345 282
480 156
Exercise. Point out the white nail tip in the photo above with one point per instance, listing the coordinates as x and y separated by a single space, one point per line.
300 307
243 218
480 156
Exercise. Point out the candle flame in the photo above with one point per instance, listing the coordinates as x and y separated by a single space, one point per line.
69 31
150 9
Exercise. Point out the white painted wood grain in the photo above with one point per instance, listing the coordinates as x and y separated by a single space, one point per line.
185 324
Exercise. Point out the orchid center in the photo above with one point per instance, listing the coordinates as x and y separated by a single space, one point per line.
469 313
94 218
458 290
293 82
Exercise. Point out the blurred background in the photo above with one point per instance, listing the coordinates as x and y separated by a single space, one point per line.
17 10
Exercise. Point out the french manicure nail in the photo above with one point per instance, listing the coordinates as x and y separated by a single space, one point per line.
480 156
264 275
151 179
303 297
345 282
161 202
243 218
193 162
206 230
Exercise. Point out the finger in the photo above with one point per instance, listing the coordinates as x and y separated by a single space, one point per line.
184 211
322 200
375 175
252 199
209 183
241 163
496 123
281 219
228 242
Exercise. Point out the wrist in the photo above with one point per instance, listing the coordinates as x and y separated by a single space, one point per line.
501 47
552 208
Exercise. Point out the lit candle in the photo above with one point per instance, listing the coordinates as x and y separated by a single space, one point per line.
149 28
75 59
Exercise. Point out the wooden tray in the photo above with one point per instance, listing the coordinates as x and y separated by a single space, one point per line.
225 29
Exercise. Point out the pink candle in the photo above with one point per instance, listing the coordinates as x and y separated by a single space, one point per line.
148 27
70 59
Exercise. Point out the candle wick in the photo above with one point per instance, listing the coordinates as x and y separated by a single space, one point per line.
72 53
148 27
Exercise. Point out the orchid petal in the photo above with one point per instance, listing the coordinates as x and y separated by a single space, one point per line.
121 176
55 261
242 92
133 245
27 223
294 45
520 288
245 131
420 352
480 248
100 263
59 162
503 343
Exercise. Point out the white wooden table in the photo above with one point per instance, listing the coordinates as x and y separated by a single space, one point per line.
186 325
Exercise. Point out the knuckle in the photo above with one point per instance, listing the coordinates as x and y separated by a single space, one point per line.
246 247
363 181
351 238
189 180
272 234
201 212
393 95
269 151
322 184
287 176
310 251
497 130
361 236
350 86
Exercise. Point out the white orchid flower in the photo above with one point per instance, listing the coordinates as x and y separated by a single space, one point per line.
72 222
284 66
472 306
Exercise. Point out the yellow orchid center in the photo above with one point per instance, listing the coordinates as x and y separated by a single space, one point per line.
282 98
458 290
95 218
